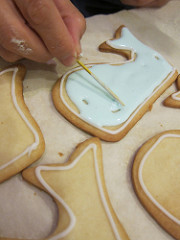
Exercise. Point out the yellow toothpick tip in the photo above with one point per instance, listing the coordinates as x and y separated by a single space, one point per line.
100 82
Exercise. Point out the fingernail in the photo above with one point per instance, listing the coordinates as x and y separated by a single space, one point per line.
78 55
69 61
78 51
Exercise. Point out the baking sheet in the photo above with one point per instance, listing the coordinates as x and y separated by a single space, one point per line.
25 211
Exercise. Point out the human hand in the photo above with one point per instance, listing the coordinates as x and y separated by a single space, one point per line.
145 3
40 30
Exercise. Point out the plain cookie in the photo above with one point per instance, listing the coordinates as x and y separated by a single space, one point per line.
156 179
22 142
79 190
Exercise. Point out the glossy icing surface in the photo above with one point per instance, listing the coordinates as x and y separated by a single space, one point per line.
132 82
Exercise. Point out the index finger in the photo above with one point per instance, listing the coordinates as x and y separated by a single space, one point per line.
44 17
74 21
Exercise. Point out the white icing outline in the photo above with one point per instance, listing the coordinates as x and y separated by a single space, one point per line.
133 52
32 147
113 132
58 198
143 184
174 96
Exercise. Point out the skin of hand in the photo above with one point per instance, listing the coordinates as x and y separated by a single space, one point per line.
145 3
40 30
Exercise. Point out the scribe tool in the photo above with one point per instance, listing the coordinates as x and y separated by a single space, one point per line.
100 82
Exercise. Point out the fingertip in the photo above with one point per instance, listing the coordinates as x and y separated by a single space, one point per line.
68 61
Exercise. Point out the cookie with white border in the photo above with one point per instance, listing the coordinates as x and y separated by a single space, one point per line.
174 99
78 188
156 179
138 83
22 142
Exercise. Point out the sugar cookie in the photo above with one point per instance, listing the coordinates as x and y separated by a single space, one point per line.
78 188
138 83
21 139
174 99
156 179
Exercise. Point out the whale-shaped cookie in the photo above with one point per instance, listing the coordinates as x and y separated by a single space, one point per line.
78 188
22 142
174 99
138 83
156 179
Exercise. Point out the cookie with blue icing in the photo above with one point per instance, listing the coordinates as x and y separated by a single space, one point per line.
174 99
138 82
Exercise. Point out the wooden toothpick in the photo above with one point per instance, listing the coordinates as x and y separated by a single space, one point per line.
100 82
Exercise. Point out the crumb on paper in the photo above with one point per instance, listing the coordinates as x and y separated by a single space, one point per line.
21 46
125 163
60 154
35 193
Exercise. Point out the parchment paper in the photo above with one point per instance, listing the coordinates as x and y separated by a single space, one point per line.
25 211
